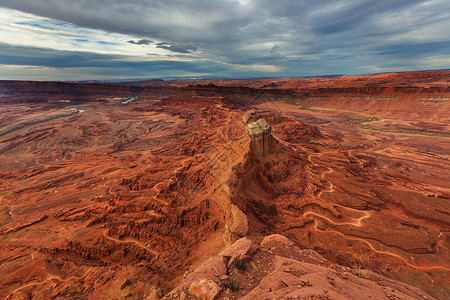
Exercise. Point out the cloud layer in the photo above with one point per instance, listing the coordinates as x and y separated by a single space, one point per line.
234 38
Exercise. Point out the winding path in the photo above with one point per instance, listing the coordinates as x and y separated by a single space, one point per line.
357 222
51 277
132 241
156 186
380 251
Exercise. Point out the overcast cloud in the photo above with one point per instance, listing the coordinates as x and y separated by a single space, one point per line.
231 38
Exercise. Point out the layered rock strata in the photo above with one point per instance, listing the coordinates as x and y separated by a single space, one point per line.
262 143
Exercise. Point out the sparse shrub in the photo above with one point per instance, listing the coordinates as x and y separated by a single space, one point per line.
230 284
359 272
240 265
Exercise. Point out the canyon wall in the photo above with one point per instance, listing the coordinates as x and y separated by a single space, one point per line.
42 91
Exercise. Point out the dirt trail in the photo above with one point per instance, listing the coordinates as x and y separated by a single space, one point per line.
132 241
182 165
51 277
156 186
158 190
380 251
357 222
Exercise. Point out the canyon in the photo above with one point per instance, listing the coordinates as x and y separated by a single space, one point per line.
105 198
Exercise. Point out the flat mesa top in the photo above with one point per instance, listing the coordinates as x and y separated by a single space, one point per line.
257 128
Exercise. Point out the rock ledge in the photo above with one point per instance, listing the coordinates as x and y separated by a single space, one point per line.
277 269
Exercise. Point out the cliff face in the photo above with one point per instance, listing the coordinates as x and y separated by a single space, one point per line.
262 143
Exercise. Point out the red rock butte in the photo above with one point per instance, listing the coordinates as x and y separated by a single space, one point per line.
262 142
309 188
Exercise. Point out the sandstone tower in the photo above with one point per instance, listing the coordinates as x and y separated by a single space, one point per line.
262 142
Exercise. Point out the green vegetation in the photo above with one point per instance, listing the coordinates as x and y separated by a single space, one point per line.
295 102
292 102
362 120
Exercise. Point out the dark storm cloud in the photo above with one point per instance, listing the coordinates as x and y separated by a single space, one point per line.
160 19
301 37
141 42
177 47
275 50
352 14
42 57
414 50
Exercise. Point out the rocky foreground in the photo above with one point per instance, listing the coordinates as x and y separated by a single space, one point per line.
277 269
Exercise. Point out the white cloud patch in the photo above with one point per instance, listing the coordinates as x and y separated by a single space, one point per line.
258 68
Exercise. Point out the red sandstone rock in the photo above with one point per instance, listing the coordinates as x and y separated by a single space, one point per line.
239 224
242 249
291 279
210 270
204 289
276 239
262 143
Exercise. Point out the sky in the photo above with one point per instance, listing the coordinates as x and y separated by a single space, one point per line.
116 39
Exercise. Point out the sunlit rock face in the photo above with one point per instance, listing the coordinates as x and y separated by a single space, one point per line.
261 139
